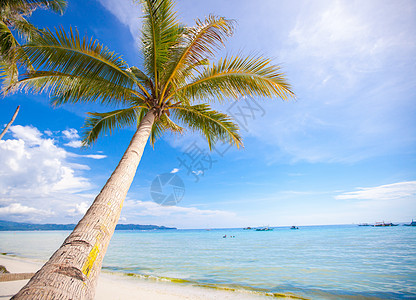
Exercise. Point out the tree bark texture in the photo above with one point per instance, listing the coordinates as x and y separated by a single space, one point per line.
10 123
73 270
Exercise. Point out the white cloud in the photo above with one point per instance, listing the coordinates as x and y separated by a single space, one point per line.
345 38
392 191
38 175
79 209
390 202
349 64
74 144
128 13
175 170
18 209
93 156
28 134
36 164
71 134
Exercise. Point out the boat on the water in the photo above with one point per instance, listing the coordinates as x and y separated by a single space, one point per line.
413 223
383 224
294 227
264 229
247 228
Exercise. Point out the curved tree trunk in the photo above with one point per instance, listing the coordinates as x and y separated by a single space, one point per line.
10 123
73 270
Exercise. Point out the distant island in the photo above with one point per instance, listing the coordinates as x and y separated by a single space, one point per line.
15 226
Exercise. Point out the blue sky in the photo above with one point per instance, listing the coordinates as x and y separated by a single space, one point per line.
343 152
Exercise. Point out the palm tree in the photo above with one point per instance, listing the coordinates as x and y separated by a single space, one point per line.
13 14
167 95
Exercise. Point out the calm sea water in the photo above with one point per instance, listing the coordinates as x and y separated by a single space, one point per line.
318 262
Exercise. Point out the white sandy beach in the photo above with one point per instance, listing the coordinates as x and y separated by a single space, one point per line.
113 286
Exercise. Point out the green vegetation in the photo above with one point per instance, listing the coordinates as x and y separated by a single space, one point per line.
13 21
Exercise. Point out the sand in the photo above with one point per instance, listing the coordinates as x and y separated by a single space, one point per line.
114 286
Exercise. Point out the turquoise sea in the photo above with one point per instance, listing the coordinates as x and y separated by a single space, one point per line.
314 262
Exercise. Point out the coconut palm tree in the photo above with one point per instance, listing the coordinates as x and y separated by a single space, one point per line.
168 94
13 19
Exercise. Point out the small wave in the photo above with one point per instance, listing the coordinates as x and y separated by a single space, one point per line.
231 288
301 294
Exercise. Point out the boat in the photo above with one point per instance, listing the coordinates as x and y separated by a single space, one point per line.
264 229
413 223
382 224
247 228
294 227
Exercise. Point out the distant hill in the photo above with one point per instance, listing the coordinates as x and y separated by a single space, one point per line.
15 226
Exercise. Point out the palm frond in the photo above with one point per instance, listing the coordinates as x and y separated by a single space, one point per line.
141 78
236 76
162 125
160 32
26 30
103 123
69 88
25 7
8 67
212 124
7 41
71 54
200 42
8 76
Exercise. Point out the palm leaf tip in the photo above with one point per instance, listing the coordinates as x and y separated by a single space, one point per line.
58 6
214 125
102 123
236 76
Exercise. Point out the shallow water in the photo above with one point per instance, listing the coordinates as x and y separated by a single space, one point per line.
319 262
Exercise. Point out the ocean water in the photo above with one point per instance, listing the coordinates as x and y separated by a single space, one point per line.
314 262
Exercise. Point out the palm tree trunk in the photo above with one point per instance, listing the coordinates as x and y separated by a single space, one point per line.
10 123
73 270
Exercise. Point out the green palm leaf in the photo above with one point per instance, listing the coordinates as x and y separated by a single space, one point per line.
26 7
236 76
161 126
142 78
160 32
103 123
8 66
212 124
72 54
200 42
26 30
12 19
69 88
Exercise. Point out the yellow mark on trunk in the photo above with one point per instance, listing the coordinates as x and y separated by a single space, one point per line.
92 256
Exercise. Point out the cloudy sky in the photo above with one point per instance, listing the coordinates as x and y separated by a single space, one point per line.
343 152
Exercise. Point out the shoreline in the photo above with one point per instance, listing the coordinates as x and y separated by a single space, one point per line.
112 286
